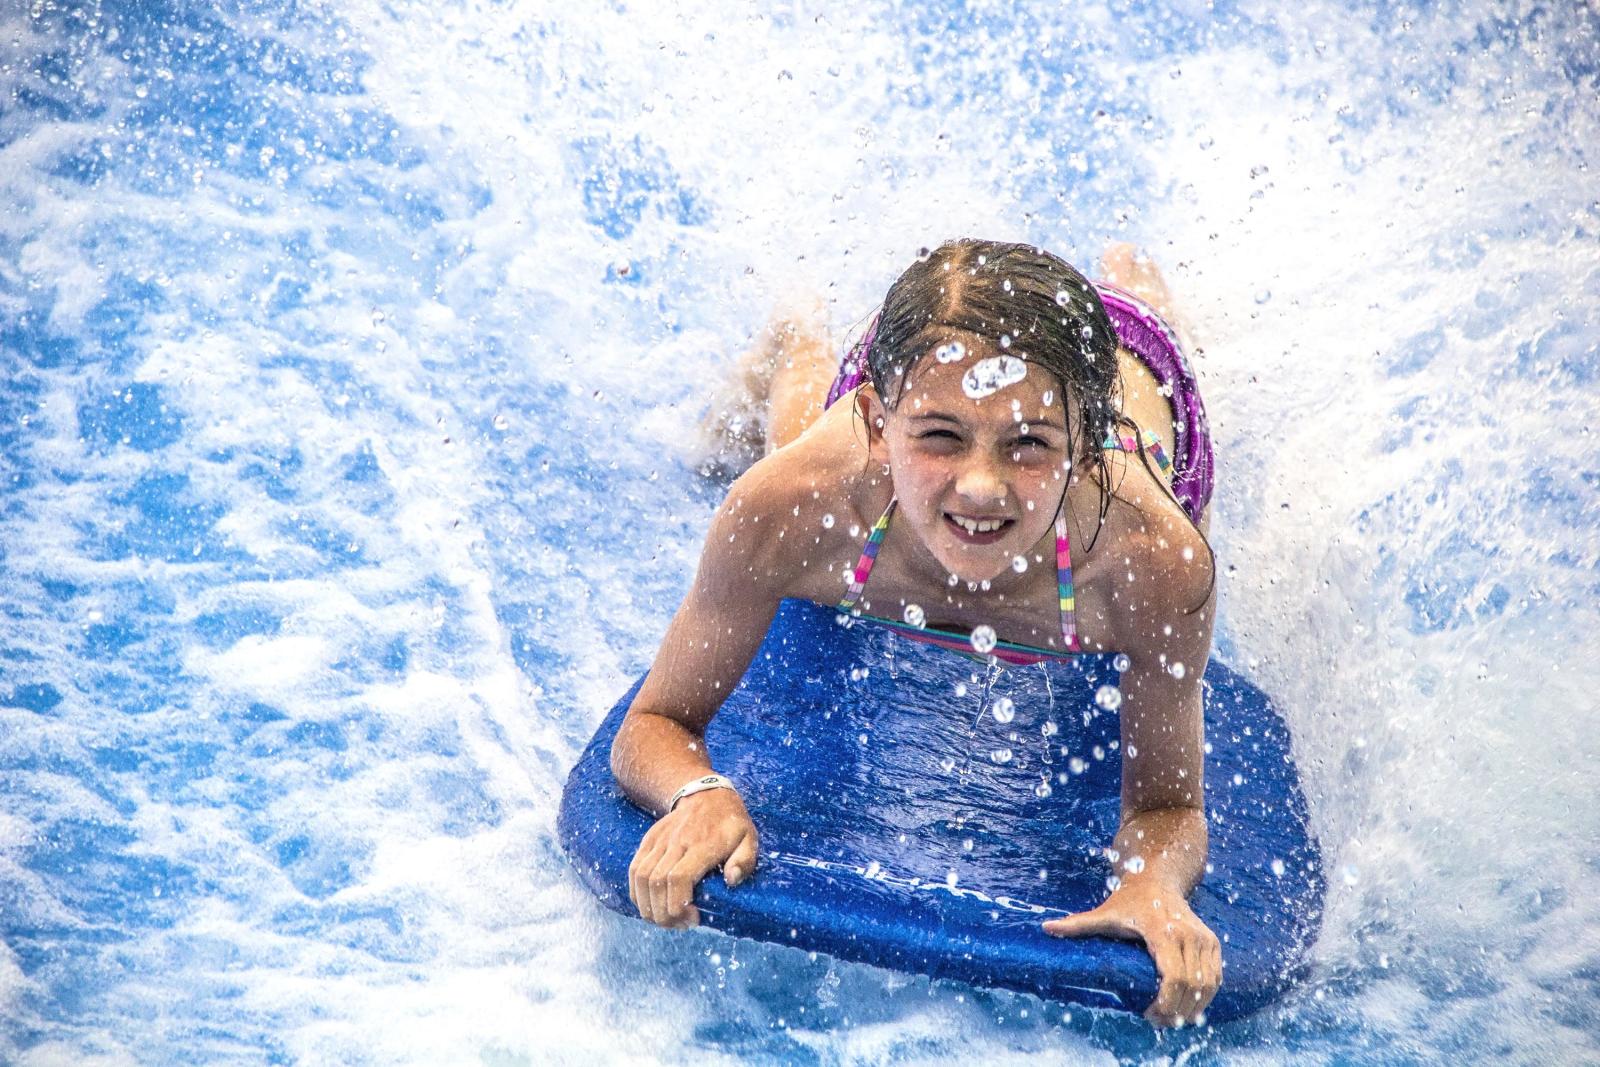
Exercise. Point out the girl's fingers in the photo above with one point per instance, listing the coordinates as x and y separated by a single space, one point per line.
742 864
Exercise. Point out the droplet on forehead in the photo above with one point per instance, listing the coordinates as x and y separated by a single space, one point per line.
953 352
989 376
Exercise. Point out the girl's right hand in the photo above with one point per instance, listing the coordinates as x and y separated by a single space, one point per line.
705 831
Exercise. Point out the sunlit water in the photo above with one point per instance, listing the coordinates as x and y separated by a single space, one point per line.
352 354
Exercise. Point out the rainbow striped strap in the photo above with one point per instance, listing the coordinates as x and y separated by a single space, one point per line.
1152 444
1069 604
869 556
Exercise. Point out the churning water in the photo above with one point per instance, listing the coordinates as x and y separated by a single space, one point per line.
349 351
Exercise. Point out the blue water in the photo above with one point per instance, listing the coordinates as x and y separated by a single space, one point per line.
352 359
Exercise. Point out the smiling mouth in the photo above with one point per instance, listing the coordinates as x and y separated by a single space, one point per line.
977 531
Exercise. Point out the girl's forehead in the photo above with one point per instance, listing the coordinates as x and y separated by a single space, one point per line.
979 383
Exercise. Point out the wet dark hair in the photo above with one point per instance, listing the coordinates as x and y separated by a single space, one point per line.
1054 318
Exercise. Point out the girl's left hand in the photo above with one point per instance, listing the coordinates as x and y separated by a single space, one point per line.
1187 954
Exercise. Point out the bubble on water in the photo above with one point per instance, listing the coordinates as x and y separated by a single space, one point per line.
1121 662
502 423
1108 697
1001 755
1277 868
827 522
954 352
1178 670
1042 790
1135 864
961 689
983 640
915 615
1004 710
1019 563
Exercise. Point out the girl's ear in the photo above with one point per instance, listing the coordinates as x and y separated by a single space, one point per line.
870 407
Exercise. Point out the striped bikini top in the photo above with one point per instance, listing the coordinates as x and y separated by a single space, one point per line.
1004 651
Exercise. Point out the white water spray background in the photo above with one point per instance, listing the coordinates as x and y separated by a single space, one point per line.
353 354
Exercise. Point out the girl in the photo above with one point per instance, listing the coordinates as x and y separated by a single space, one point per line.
1000 408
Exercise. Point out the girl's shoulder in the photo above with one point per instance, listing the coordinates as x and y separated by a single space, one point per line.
792 520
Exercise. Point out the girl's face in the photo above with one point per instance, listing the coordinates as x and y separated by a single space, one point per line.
977 447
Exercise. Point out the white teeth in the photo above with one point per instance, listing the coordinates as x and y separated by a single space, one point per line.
977 526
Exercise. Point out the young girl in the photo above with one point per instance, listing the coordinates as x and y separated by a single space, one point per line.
1000 408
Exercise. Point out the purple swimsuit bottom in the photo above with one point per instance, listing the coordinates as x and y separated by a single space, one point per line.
1141 331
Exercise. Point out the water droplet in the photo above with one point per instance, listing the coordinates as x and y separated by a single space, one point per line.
1121 662
983 640
502 423
1001 755
1277 868
1063 298
827 522
1042 790
1076 765
1050 729
1087 333
915 615
1263 296
1098 752
947 764
1238 779
1135 865
1188 553
1004 710
1349 874
953 352
1019 563
961 689
1049 397
1133 750
1108 697
1005 340
1006 285
1178 670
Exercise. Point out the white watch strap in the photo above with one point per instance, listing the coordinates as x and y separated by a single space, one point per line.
700 785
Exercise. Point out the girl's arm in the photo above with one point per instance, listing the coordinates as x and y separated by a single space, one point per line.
1159 853
660 746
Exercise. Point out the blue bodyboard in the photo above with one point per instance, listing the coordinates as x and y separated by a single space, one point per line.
922 811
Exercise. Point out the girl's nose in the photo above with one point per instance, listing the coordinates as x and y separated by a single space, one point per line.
979 483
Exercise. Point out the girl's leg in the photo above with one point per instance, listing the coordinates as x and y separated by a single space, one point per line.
777 390
804 367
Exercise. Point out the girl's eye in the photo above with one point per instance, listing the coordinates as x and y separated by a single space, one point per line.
1031 441
937 435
